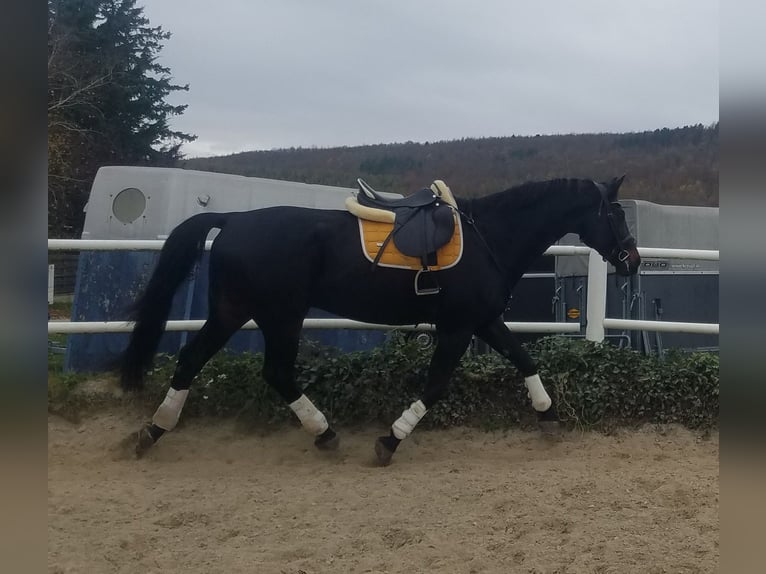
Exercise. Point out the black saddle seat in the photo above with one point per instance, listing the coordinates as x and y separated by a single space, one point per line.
371 198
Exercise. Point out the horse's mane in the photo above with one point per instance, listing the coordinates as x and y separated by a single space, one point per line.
528 193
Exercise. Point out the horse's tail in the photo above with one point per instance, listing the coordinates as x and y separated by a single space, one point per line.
181 250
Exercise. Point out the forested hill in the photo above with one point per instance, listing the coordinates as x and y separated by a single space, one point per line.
669 166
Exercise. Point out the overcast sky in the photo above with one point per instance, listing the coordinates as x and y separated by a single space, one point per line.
275 74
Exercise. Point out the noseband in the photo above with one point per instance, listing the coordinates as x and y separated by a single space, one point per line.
625 241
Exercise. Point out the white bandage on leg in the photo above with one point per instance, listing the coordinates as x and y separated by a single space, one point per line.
540 399
169 412
405 424
311 418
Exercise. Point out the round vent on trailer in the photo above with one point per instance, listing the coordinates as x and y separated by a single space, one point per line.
129 205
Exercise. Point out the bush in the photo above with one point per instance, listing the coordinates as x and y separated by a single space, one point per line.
598 384
593 385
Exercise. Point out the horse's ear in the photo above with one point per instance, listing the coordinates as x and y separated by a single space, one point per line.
614 186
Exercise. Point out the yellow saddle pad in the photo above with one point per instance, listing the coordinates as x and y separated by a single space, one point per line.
374 233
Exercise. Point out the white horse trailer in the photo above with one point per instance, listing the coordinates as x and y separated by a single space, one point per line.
147 203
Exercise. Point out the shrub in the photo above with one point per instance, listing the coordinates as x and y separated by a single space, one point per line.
594 386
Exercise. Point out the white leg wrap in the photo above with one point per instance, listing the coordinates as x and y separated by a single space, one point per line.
540 399
169 412
405 424
311 418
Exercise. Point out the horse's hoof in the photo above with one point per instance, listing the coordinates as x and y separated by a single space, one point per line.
549 423
551 429
383 453
144 441
328 440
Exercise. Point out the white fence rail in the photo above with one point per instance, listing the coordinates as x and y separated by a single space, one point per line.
196 325
664 326
596 321
156 245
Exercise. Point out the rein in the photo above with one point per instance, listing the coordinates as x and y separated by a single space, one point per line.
468 218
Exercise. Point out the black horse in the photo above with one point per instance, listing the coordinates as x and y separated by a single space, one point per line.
272 265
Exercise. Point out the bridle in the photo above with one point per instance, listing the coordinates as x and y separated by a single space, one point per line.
625 241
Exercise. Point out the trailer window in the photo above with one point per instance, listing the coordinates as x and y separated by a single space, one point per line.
129 205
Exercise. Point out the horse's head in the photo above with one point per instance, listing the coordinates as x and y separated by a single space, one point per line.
605 230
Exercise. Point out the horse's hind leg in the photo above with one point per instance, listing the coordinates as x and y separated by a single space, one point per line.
192 357
449 349
281 338
500 338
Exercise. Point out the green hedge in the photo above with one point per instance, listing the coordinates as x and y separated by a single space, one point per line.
594 386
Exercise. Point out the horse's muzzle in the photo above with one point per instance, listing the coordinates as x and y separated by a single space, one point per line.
626 261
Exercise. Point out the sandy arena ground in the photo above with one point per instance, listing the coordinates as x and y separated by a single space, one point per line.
209 499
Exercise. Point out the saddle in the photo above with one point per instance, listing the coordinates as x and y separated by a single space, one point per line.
422 227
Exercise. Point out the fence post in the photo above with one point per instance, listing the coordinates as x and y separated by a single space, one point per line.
596 303
51 275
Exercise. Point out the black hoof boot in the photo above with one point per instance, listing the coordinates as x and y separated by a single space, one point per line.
549 423
328 440
147 436
385 447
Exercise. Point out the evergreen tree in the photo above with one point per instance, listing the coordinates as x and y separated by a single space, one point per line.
106 100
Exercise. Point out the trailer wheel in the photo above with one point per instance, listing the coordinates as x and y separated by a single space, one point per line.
423 339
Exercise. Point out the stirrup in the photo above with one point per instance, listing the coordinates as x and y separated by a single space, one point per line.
426 290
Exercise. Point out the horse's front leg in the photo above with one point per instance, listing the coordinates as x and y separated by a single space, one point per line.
500 338
450 346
